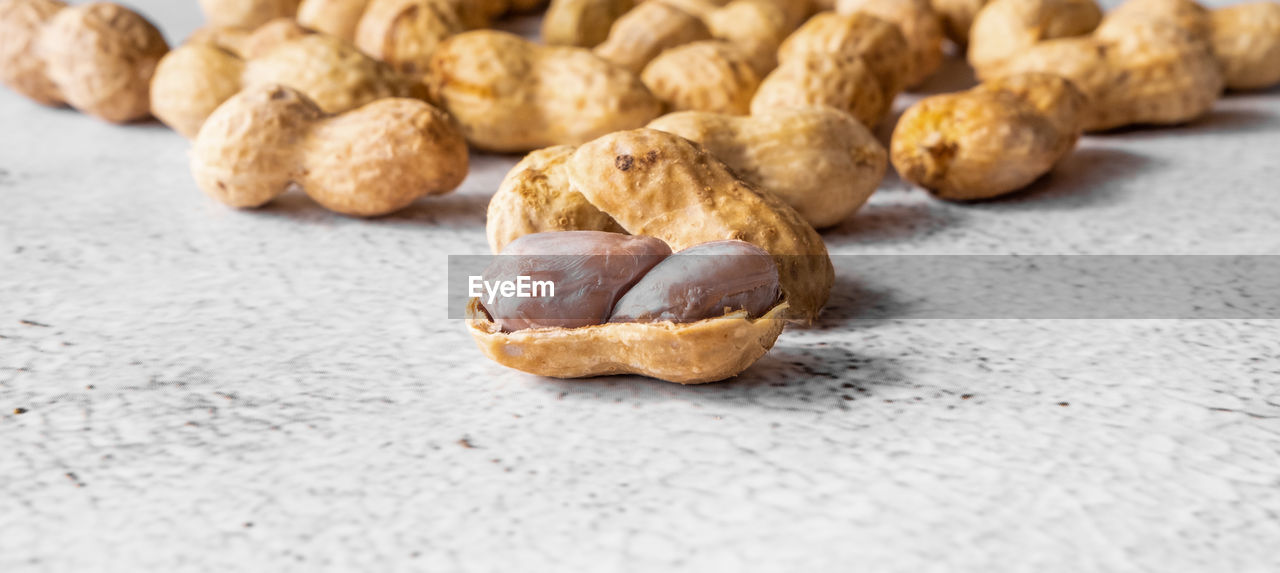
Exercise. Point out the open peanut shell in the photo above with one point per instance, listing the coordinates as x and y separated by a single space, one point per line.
688 353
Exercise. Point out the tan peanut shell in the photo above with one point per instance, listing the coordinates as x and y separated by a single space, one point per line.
97 57
249 43
957 17
536 197
337 18
1145 74
689 353
658 184
757 27
820 161
991 140
1006 28
582 23
22 68
1183 14
880 45
796 11
709 75
1246 41
102 56
405 33
334 74
641 34
246 13
183 101
697 8
845 83
512 95
920 25
1244 38
367 162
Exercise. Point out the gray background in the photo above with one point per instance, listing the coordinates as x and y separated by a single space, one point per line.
208 389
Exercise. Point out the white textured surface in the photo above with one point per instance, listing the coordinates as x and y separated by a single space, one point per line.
207 389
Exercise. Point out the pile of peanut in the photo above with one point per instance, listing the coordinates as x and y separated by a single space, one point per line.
675 125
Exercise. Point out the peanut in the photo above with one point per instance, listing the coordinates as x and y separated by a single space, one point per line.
845 84
641 34
582 23
367 162
957 17
512 95
193 80
98 57
758 27
1246 41
1006 28
680 334
1244 38
405 33
338 18
852 62
649 182
920 25
709 75
991 140
342 18
246 13
704 281
1183 14
820 161
1147 73
657 184
249 43
591 270
536 197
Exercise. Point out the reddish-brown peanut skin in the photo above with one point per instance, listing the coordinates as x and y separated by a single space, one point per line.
662 185
590 271
988 141
701 282
21 67
368 162
512 95
99 57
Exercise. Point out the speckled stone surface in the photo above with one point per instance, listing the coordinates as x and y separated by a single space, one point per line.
188 387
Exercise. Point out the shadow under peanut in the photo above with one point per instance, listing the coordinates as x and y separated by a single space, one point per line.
893 222
1091 177
816 377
